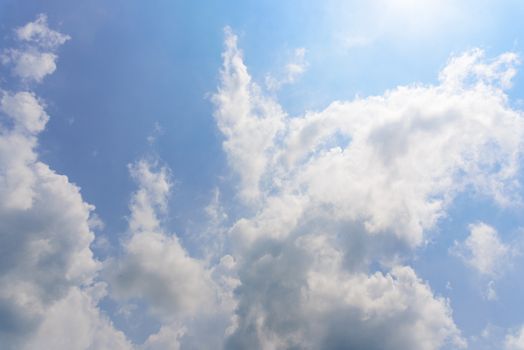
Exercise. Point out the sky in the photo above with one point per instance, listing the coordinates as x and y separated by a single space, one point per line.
261 175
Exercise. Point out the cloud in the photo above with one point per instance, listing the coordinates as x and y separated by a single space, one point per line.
167 338
249 121
36 57
298 295
185 294
75 322
470 68
358 183
26 111
39 33
26 116
47 269
292 71
30 65
333 203
483 251
155 267
336 193
394 162
515 341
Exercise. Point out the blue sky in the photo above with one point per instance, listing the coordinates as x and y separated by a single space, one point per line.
354 164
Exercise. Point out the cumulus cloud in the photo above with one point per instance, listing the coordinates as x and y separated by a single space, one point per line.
36 57
26 117
76 322
26 111
249 121
297 295
155 266
185 294
333 202
337 192
39 33
483 250
394 161
47 269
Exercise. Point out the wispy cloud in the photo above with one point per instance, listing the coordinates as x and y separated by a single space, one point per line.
292 71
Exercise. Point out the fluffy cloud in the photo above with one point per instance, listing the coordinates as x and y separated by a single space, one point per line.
185 294
36 58
39 33
333 203
249 121
75 322
26 111
155 266
299 296
47 270
180 291
394 161
483 250
338 192
485 253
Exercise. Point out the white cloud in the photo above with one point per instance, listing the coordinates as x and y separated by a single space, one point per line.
515 341
26 111
483 250
31 64
151 197
47 269
168 338
26 118
249 121
75 322
155 267
394 161
470 68
298 295
185 294
36 58
337 191
316 258
39 33
292 71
